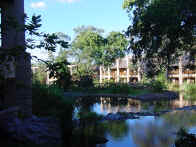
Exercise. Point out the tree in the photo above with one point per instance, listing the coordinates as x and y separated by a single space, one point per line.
40 74
161 30
95 49
115 46
86 41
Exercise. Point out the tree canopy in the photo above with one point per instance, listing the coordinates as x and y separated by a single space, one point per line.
161 30
93 48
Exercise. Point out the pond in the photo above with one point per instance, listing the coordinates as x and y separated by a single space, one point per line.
146 131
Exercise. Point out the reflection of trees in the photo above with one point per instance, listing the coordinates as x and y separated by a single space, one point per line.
157 105
117 129
180 119
152 134
85 104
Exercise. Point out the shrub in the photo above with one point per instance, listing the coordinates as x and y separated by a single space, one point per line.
157 86
49 100
85 81
185 139
189 91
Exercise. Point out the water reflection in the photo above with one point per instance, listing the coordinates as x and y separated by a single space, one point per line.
155 131
107 105
117 129
179 119
146 131
152 134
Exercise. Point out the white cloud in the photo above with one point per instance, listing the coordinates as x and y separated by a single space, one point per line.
40 4
67 1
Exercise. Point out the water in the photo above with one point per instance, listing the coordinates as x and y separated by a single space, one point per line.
147 131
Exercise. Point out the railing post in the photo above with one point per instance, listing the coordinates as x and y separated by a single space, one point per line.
180 71
118 71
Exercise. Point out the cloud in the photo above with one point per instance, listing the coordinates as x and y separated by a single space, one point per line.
36 5
68 1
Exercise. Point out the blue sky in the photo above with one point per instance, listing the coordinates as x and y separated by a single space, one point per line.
65 15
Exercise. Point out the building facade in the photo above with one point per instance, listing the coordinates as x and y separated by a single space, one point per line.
121 71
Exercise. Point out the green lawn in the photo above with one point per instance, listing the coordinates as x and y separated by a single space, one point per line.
126 90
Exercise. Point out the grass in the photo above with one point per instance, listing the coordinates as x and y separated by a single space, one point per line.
189 91
114 88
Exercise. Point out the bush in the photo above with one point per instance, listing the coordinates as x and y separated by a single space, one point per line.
189 91
184 139
86 81
49 100
157 86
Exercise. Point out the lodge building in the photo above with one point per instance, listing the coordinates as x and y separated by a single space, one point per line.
120 71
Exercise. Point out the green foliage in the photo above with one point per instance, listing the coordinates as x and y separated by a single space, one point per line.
49 100
117 129
91 47
40 74
161 30
115 46
85 81
60 72
185 139
89 116
120 88
189 91
157 86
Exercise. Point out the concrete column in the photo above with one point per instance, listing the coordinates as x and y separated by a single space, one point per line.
174 80
180 71
100 74
127 69
139 74
47 78
24 84
109 73
195 78
188 81
13 37
71 71
118 71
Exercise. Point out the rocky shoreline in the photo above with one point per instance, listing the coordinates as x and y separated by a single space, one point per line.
32 130
166 95
47 130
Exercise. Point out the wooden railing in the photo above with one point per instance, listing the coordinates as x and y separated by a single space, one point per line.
174 72
188 72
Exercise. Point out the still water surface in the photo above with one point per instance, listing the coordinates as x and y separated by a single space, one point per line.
147 131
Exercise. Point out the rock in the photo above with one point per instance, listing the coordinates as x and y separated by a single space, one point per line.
120 116
34 129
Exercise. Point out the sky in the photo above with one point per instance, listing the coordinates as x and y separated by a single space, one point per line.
65 15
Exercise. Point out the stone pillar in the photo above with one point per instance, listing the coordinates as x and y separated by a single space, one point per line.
128 70
71 70
100 74
24 84
195 78
118 71
180 71
188 81
13 37
109 74
139 74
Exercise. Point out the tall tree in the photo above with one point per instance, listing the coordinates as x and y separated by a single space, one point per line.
161 30
115 46
87 40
